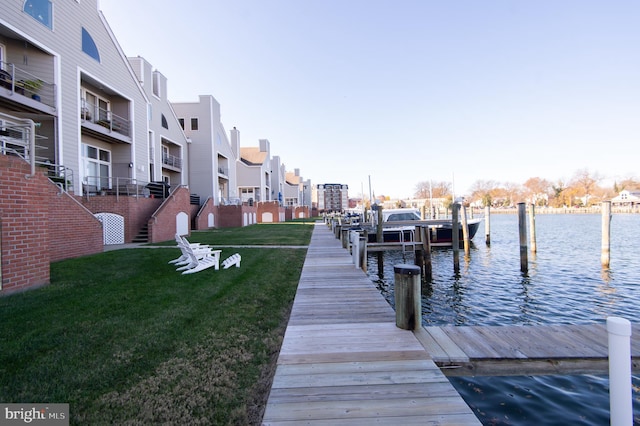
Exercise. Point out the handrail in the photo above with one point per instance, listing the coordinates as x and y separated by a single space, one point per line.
29 124
27 84
172 160
95 185
104 117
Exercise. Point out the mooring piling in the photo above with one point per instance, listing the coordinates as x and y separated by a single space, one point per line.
455 238
522 227
605 257
487 225
532 228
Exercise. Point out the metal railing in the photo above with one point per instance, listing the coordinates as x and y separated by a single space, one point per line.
105 118
27 84
57 173
172 160
121 186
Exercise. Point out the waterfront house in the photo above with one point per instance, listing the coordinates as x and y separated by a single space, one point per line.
254 171
61 70
91 146
167 143
627 198
297 194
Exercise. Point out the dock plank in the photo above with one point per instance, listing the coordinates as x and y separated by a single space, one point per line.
513 350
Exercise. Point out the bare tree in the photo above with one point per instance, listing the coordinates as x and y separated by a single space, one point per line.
429 189
537 190
484 190
586 184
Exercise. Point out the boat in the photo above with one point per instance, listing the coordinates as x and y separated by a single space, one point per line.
398 225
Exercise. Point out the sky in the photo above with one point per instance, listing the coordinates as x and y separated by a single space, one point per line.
384 94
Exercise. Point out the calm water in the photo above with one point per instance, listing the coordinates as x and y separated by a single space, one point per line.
565 285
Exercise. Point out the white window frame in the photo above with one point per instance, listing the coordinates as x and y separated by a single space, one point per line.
3 49
94 109
86 161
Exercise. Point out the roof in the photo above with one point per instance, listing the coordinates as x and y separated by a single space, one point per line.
253 155
292 178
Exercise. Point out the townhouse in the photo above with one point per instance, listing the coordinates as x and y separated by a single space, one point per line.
168 160
91 147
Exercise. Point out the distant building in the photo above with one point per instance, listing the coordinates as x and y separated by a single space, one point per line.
332 197
627 198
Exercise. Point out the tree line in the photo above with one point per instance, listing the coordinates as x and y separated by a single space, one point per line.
583 189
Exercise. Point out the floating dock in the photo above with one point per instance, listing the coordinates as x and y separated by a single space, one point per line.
523 350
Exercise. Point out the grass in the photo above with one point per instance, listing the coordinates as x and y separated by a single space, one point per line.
125 339
286 233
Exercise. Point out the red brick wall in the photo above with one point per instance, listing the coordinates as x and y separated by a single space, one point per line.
162 225
38 225
202 216
73 230
135 210
300 211
233 216
272 207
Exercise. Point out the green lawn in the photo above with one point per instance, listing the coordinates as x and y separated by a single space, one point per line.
124 338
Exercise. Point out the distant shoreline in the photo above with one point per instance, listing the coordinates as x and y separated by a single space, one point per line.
561 210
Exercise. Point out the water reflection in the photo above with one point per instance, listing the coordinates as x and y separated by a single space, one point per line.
565 284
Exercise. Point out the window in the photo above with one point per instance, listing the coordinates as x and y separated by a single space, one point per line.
181 121
164 122
40 10
194 124
89 46
2 56
165 154
95 108
97 166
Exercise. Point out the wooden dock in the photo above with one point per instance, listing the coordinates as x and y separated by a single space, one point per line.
344 361
518 350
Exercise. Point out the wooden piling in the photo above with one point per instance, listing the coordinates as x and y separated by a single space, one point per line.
605 257
379 233
465 232
455 238
425 236
487 225
532 228
418 252
363 254
522 227
408 301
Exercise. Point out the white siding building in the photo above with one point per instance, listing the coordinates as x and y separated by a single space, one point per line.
63 68
167 154
212 171
254 169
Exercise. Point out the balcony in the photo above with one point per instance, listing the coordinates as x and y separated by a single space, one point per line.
172 162
104 124
29 90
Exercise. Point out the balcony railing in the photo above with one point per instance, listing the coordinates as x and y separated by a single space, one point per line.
172 160
121 186
105 118
24 83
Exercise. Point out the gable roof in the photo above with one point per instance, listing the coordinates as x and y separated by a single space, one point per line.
292 178
253 156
